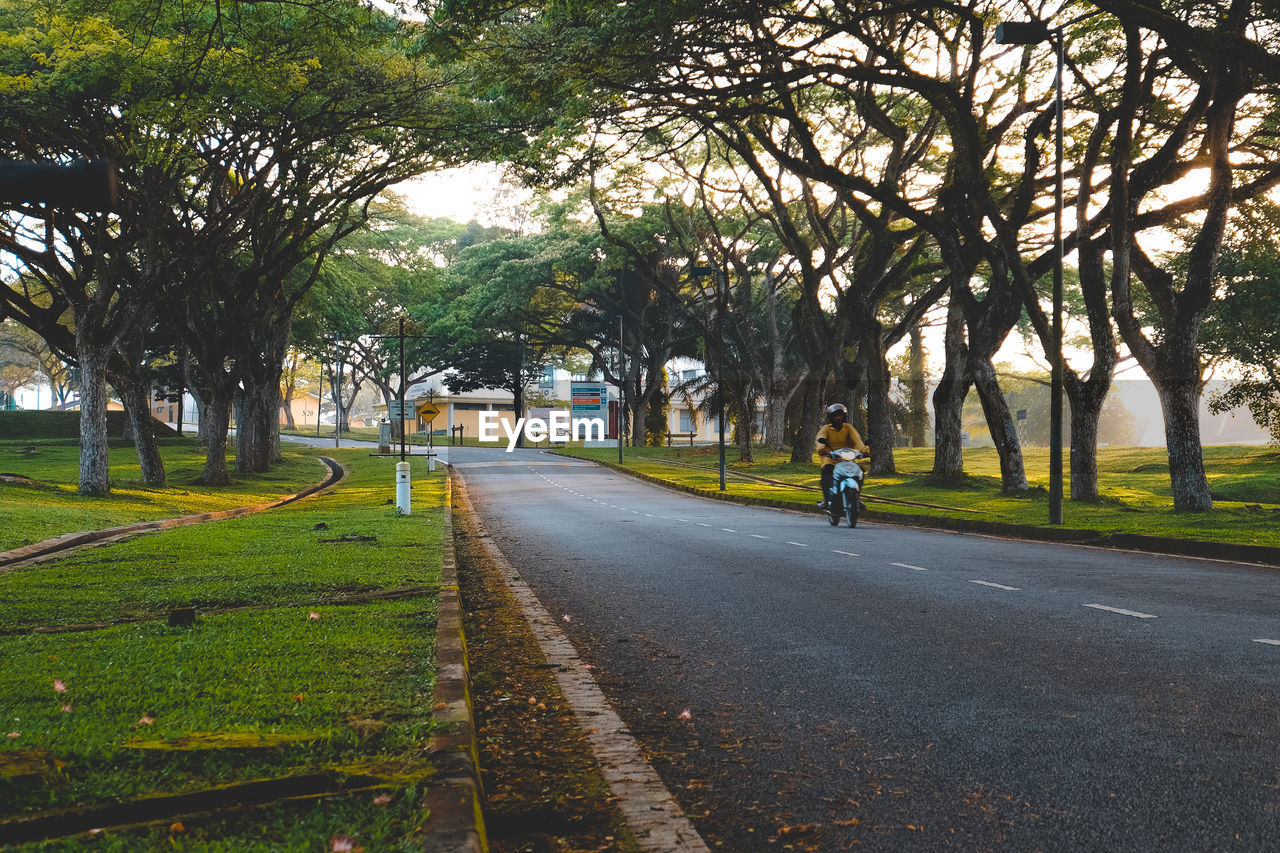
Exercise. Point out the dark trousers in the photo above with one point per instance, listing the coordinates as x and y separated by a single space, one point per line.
828 474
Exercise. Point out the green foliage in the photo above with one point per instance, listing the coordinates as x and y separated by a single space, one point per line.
1244 326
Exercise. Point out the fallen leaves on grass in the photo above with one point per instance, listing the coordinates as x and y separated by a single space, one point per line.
59 686
344 844
145 720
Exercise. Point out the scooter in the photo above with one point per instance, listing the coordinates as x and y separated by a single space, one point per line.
846 485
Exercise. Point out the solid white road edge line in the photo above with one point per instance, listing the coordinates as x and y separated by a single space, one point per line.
1122 611
999 586
653 815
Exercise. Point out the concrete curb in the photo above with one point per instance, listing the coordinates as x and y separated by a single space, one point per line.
1257 554
455 820
70 541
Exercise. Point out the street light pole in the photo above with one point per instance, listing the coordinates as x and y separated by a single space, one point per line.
337 390
402 389
622 384
722 285
1037 32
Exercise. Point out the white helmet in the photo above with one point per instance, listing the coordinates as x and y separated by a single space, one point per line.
837 407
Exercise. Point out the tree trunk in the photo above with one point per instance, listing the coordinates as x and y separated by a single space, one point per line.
919 415
258 438
1085 414
948 400
95 476
217 416
135 393
1180 404
254 411
880 432
807 420
745 416
286 407
1086 399
775 402
1013 473
775 419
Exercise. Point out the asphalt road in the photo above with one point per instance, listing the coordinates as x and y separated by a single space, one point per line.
889 688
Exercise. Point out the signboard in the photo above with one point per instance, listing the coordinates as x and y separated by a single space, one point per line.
395 410
428 411
588 400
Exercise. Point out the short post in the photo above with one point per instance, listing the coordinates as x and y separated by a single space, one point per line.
431 462
402 487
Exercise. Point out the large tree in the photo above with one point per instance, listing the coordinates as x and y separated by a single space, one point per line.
249 138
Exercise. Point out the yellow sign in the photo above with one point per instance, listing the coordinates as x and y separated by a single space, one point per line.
428 411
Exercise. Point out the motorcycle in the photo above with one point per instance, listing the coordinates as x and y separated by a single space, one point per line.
846 485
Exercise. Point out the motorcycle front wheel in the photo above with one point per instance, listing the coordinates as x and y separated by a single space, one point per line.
851 509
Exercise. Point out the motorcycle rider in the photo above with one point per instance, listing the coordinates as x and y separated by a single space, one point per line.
835 435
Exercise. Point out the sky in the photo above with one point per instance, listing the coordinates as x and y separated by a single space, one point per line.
463 194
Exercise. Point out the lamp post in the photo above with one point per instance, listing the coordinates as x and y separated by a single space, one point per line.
722 287
622 385
1038 32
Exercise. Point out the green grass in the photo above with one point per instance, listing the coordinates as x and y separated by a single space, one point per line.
51 505
1134 485
270 667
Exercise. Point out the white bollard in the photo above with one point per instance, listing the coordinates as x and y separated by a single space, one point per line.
431 463
402 487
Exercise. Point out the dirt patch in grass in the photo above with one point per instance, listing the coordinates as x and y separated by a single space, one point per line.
542 789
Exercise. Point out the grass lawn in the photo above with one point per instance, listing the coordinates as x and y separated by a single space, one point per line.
285 675
1134 483
48 503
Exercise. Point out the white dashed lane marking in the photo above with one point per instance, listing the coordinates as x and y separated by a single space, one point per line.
1122 611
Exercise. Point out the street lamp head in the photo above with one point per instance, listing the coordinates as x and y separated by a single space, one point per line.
1023 32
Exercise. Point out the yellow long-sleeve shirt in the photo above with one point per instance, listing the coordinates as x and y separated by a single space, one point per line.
831 438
